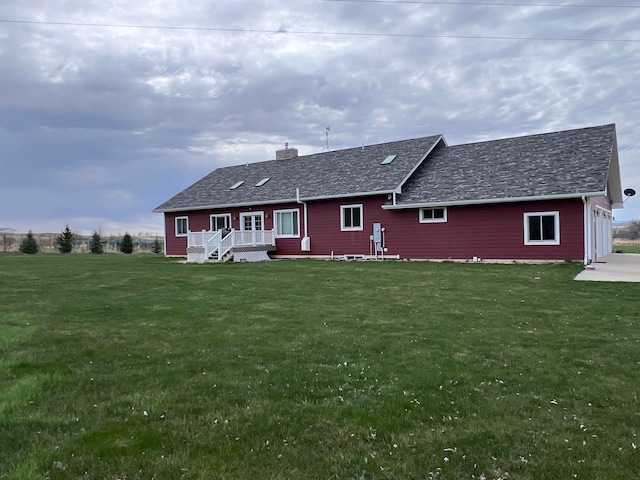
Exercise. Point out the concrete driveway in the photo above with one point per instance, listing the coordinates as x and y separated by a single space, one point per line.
615 267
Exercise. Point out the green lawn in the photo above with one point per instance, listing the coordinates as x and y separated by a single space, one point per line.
138 367
627 248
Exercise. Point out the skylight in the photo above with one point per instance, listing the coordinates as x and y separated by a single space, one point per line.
236 185
262 182
388 160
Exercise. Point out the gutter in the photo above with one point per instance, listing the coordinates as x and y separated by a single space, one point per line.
492 200
273 202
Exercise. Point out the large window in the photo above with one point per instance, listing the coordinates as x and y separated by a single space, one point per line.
433 215
351 217
218 222
287 223
182 226
542 228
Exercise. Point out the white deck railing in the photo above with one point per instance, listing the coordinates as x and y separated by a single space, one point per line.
214 241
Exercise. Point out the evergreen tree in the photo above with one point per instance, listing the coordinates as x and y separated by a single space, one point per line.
29 244
157 246
96 243
126 246
65 241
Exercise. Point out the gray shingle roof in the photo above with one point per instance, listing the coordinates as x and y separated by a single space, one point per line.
331 174
572 162
561 163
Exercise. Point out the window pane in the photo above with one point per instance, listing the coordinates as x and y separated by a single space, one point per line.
347 218
534 228
356 217
438 213
548 227
220 222
294 223
285 224
427 214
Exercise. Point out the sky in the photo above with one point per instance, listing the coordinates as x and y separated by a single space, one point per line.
110 107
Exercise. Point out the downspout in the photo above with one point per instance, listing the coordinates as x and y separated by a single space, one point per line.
305 239
587 240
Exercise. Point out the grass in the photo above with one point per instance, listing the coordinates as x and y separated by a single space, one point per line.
627 248
138 367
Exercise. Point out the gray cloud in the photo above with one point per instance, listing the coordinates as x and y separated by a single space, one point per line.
98 125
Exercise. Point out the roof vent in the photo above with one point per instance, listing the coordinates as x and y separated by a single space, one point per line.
287 153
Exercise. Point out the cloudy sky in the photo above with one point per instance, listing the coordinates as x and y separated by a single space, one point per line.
110 107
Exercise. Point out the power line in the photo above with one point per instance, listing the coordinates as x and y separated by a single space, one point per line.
497 4
318 32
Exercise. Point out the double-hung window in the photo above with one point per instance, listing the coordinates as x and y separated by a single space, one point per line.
182 226
351 217
542 228
433 215
287 223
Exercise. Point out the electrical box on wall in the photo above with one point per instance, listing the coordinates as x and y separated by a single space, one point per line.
377 232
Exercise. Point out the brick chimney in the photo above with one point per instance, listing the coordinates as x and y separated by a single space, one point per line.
287 153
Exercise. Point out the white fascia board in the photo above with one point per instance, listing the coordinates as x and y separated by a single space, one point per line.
492 200
225 205
398 189
347 195
276 202
614 183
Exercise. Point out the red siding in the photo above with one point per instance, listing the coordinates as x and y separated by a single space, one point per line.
486 231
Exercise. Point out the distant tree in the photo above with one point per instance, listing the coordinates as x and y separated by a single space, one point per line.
157 246
7 242
126 246
96 245
65 241
634 229
29 244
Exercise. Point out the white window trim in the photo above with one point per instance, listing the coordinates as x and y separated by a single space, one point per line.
432 220
275 222
351 229
555 241
176 230
219 215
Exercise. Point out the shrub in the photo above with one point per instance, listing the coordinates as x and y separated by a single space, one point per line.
96 243
126 246
157 246
65 241
29 244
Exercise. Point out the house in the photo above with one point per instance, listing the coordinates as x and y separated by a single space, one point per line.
537 197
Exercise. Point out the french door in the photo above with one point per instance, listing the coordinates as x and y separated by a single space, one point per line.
252 228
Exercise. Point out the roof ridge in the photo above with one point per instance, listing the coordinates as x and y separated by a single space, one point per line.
530 135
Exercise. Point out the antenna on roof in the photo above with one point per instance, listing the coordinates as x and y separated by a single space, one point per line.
326 133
